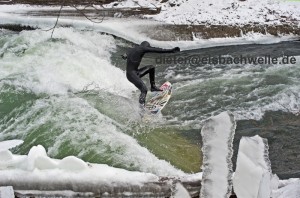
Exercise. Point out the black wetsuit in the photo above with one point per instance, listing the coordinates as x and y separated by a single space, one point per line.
133 74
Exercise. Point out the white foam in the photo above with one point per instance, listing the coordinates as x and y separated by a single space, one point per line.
78 59
73 61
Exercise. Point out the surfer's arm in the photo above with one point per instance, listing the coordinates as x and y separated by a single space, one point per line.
160 50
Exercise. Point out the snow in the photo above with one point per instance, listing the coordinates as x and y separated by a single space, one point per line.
228 12
37 167
37 174
217 136
133 4
53 193
133 30
36 171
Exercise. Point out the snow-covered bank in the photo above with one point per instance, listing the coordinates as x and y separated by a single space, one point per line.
230 12
133 30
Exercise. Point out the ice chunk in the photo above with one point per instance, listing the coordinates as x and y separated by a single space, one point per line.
33 154
180 191
217 135
44 162
72 163
291 190
5 156
253 169
8 160
6 192
37 158
8 144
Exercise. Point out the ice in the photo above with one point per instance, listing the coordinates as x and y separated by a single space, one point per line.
72 163
8 144
8 160
290 190
36 170
33 154
253 169
6 192
45 162
217 136
180 191
6 157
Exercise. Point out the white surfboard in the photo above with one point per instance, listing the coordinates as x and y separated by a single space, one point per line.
159 99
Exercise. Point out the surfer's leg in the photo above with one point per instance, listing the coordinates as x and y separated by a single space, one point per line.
151 70
135 79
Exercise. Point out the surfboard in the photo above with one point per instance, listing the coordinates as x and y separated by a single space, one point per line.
159 99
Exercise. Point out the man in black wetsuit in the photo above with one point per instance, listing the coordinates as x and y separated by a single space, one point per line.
134 57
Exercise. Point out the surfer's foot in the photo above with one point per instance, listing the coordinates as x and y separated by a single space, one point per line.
142 99
154 88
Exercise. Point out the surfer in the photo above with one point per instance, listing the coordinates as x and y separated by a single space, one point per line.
134 74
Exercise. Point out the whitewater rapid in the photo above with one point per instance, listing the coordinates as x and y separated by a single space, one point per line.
70 93
50 72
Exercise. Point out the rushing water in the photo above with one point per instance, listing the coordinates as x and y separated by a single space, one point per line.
71 95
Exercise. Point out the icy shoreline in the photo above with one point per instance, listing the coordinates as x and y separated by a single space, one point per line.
132 29
229 12
38 174
196 12
161 30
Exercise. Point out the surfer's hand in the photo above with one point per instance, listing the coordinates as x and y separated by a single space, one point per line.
176 49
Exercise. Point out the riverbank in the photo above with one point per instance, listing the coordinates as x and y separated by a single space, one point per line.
161 31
